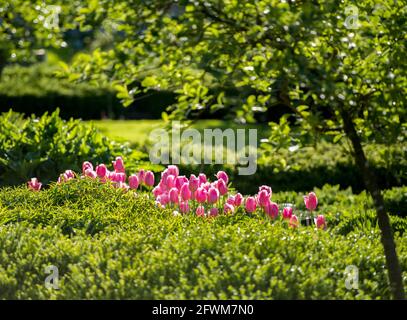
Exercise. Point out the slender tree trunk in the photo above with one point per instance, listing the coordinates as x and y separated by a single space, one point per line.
387 239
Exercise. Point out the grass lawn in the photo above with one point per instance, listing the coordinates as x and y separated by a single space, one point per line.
137 131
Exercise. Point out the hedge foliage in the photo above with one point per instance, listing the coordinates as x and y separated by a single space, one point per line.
46 146
109 244
36 89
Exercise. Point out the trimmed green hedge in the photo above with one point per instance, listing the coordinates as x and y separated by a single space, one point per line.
108 244
36 89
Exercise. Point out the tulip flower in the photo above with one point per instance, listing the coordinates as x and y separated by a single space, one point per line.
193 183
180 180
231 200
157 190
293 221
85 166
173 195
118 165
202 178
287 212
222 187
238 200
170 181
222 175
200 211
201 195
184 207
141 176
163 199
311 201
267 189
173 170
320 222
133 182
213 195
185 192
34 184
271 209
263 198
90 173
228 208
149 178
101 171
213 212
250 204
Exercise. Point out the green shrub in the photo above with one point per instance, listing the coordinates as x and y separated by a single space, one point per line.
108 245
46 146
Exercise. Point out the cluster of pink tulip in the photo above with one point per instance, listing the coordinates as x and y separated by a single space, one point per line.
196 194
117 177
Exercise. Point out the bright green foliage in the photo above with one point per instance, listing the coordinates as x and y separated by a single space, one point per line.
110 244
47 146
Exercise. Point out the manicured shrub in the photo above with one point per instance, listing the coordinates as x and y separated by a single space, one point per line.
110 244
46 146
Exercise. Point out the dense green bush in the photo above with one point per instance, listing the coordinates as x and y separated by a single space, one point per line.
46 146
311 167
110 244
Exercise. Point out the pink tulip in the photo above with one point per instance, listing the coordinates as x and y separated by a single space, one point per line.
222 187
141 176
238 200
121 177
34 184
231 200
320 222
133 181
228 208
101 171
170 181
118 165
85 166
287 212
149 178
157 190
193 183
263 198
185 192
173 195
200 211
201 195
180 180
69 174
250 204
311 201
222 175
90 173
213 212
293 221
202 178
267 189
184 207
173 169
213 195
271 209
163 199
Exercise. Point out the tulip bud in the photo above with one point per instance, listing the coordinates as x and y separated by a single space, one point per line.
250 204
149 178
213 195
133 181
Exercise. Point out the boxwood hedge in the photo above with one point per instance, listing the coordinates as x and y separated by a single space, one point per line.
108 244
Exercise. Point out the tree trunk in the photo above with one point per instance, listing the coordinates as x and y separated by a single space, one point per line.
392 262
